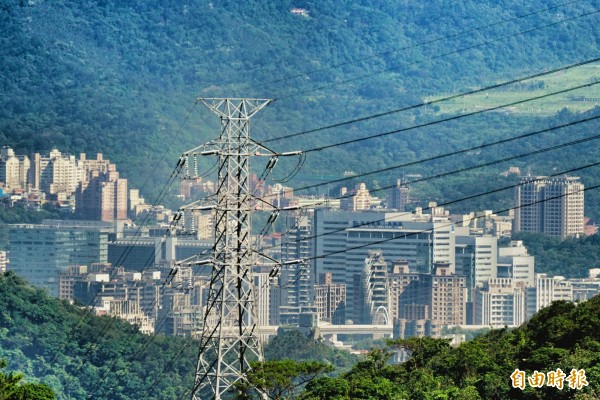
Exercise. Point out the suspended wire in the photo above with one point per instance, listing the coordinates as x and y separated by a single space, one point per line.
295 171
300 271
128 250
416 45
449 224
453 153
539 151
158 199
110 323
329 86
203 348
455 117
427 103
409 234
89 309
486 110
573 123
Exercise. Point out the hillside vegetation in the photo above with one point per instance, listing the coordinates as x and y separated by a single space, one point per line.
81 356
563 336
120 77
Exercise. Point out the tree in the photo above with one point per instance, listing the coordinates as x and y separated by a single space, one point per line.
280 379
11 387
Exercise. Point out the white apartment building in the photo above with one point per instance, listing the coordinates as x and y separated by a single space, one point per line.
553 206
515 262
500 302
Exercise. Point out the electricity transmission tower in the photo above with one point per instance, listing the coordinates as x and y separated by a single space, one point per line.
229 340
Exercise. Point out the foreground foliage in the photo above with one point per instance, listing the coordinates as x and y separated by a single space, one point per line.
564 335
12 387
79 356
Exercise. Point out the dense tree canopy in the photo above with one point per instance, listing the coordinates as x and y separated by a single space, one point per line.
563 336
12 387
571 258
120 77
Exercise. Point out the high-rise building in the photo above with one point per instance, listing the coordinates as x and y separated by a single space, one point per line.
297 278
262 294
13 170
103 197
398 196
553 206
55 174
373 293
476 259
548 289
500 302
399 277
439 297
39 253
356 199
330 300
516 263
342 240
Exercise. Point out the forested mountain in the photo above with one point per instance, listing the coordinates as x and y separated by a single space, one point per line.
120 77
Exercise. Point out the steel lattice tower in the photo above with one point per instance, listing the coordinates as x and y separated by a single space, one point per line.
229 340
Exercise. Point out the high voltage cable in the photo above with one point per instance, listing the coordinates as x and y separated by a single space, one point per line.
436 57
158 199
453 153
130 336
307 238
447 225
89 309
456 117
110 323
144 346
513 157
485 110
405 235
125 253
539 151
388 52
447 203
422 104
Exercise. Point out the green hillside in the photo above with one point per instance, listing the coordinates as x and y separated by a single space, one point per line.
120 77
80 356
46 338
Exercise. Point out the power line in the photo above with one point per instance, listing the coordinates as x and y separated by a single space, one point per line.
358 225
89 309
456 117
463 170
422 104
562 145
448 225
438 56
453 153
